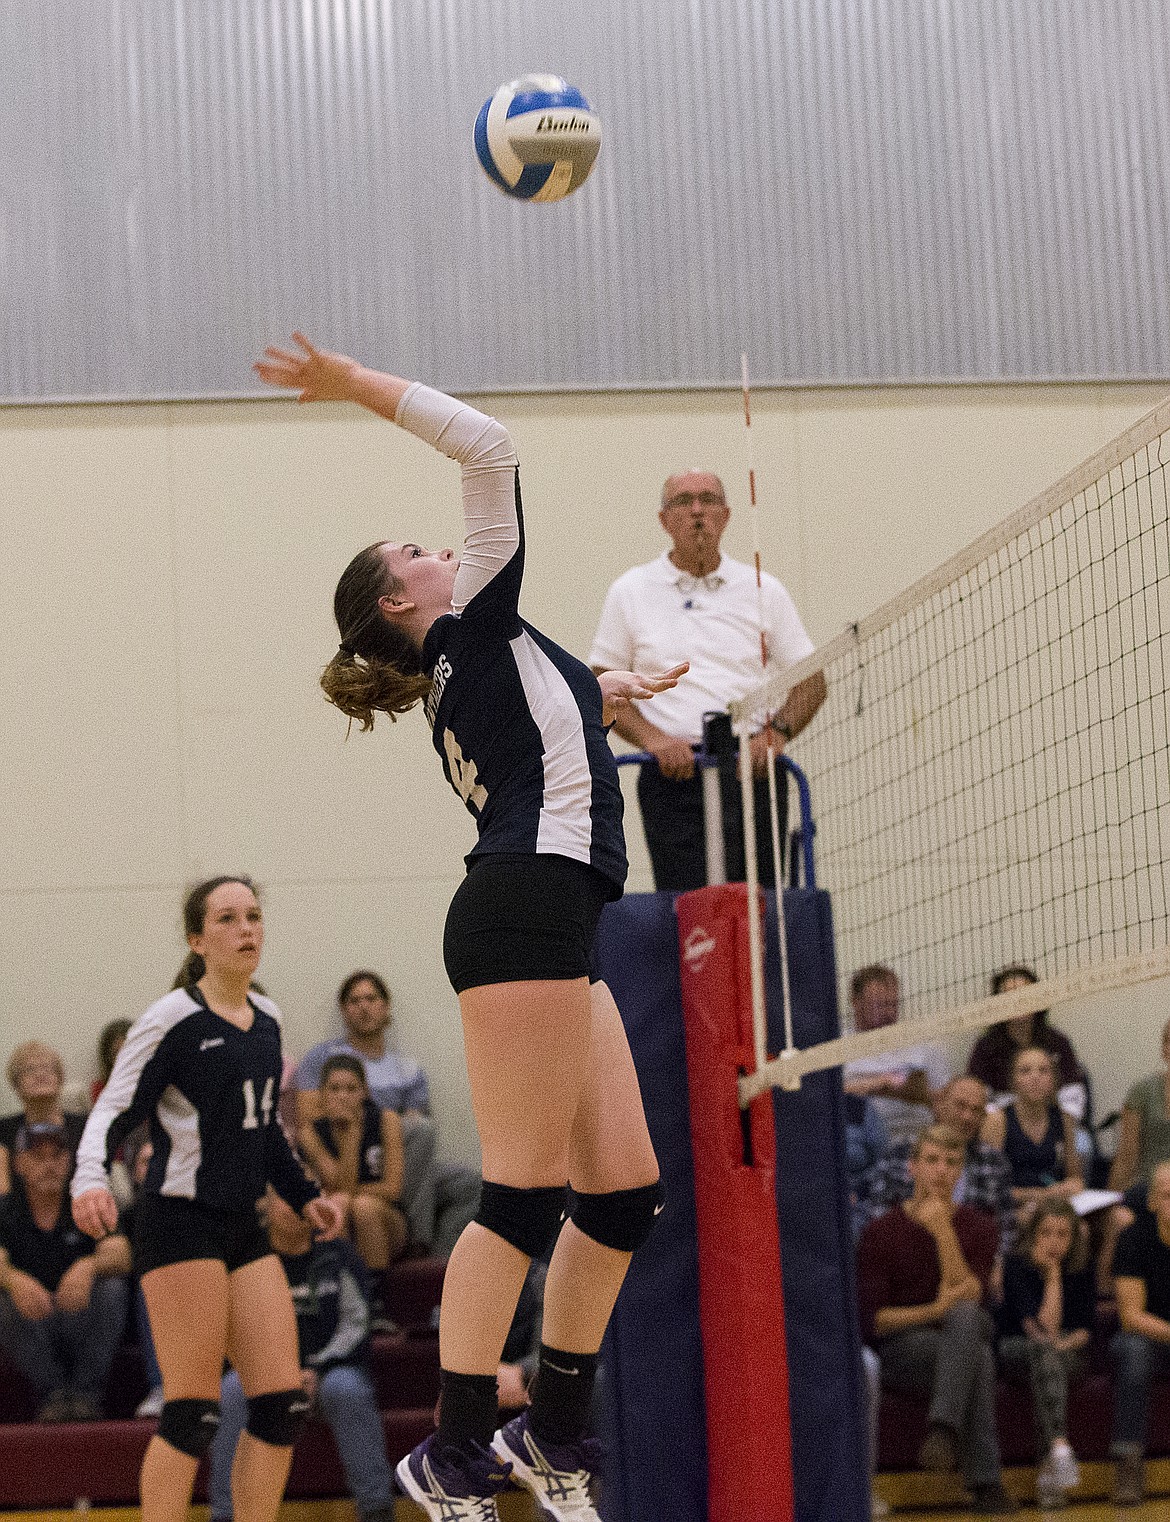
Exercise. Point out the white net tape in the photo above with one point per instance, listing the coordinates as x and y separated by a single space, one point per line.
991 769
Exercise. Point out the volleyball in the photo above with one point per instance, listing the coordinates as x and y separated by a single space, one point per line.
537 138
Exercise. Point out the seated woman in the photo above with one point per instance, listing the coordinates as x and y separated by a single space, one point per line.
1045 1322
355 1150
993 1054
37 1074
1036 1136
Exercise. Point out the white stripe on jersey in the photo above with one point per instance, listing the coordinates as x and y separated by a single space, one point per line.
566 827
140 1046
180 1120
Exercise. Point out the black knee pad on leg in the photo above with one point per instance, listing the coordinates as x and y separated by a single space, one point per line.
189 1425
277 1418
622 1219
527 1219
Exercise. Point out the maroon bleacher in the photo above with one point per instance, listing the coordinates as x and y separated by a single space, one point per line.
56 1465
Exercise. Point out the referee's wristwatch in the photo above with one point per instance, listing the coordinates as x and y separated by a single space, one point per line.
782 729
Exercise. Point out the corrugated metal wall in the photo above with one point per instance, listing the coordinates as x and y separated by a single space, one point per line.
853 190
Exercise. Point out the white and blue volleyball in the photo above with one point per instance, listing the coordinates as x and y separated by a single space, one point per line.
537 138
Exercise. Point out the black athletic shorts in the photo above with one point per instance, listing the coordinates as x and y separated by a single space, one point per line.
517 917
170 1230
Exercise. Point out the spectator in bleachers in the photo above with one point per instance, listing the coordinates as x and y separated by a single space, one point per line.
901 1083
37 1074
1045 1322
1036 1136
355 1151
1144 1141
1141 1349
923 1270
438 1198
330 1292
110 1041
985 1181
993 1054
63 1297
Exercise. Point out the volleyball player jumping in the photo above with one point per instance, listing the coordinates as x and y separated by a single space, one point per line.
519 725
203 1066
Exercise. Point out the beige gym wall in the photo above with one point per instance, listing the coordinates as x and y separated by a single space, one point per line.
170 570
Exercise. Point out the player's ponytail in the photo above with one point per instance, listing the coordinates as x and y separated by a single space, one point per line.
377 668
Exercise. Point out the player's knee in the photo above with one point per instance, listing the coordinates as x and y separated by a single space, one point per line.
527 1219
189 1425
621 1219
368 1207
277 1417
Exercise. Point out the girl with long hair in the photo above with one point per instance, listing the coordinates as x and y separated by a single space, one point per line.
202 1066
519 725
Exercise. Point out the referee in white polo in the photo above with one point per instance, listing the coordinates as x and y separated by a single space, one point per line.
695 603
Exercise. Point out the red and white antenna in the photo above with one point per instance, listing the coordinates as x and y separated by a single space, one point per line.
756 950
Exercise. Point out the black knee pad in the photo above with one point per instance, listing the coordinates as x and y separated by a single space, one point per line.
277 1418
189 1425
526 1218
621 1220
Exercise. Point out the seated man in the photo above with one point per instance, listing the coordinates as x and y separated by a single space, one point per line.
438 1198
985 1181
922 1272
37 1074
63 1297
902 1083
1141 1349
329 1290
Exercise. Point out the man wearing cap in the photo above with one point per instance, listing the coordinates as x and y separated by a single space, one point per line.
63 1297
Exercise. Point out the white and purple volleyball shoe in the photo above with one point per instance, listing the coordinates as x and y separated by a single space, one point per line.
450 1490
557 1474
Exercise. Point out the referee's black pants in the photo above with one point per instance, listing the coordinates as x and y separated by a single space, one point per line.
672 817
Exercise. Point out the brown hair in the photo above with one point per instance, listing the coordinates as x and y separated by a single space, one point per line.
194 915
343 1062
946 1138
362 976
377 668
112 1034
876 972
1078 1252
1044 1052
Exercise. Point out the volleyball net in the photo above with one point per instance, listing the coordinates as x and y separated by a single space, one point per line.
991 767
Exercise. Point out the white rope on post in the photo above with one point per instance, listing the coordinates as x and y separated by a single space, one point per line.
755 939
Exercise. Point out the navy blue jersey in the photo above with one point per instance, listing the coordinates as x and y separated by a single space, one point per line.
209 1092
517 723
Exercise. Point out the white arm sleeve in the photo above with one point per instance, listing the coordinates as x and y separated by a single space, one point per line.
483 447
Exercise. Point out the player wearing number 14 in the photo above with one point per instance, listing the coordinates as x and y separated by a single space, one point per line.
202 1068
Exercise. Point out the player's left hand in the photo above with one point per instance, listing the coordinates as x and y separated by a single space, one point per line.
618 687
326 1218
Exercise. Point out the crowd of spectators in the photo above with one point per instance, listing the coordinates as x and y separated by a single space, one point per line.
980 1254
983 1252
362 1117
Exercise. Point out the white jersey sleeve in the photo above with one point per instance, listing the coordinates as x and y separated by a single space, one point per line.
130 1096
484 450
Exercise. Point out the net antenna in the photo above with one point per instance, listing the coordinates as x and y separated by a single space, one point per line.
743 730
999 796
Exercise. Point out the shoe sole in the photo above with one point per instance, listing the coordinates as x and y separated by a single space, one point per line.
524 1475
